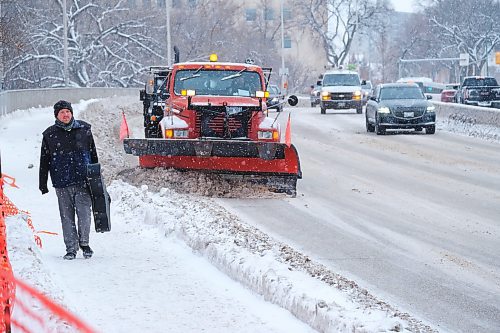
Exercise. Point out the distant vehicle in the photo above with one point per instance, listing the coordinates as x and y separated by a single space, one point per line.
276 98
367 90
449 91
479 91
315 94
341 89
399 105
426 84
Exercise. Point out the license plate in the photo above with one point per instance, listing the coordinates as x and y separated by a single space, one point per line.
408 114
341 104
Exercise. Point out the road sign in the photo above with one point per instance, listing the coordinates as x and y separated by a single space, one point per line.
464 59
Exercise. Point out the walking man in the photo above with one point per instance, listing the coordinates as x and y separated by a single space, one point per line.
67 148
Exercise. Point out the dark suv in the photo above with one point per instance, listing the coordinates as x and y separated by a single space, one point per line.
399 105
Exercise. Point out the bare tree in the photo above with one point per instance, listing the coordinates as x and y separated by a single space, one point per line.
106 45
336 22
468 27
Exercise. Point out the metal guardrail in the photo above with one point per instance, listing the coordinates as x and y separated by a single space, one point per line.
11 100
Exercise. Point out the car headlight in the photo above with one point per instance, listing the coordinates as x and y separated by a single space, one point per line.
274 99
384 109
431 108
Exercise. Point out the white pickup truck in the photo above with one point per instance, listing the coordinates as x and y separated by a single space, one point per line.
341 89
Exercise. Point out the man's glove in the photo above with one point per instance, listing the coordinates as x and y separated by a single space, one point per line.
44 189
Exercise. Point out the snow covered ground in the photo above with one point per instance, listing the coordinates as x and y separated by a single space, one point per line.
174 261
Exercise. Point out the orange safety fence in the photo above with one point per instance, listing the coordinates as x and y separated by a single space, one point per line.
24 308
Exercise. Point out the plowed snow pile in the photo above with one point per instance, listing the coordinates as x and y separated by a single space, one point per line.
329 303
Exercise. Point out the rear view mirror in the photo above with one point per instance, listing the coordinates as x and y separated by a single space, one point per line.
293 100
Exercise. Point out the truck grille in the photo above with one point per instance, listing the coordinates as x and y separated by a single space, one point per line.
216 123
341 96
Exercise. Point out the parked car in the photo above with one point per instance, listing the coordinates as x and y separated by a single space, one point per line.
315 94
276 98
448 93
367 90
399 105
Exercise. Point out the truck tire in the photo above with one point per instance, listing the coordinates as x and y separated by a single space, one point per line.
430 129
323 110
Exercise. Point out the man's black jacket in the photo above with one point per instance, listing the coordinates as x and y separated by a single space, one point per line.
66 155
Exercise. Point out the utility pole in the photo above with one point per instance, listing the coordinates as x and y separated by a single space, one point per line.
65 44
283 74
169 40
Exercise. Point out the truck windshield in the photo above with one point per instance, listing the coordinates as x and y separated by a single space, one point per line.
478 82
218 82
341 80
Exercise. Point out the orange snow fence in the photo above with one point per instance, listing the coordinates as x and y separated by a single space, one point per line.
7 286
33 312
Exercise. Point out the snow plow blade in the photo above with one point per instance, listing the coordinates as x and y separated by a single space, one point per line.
272 163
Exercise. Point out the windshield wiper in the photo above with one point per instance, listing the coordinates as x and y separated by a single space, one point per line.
232 76
195 74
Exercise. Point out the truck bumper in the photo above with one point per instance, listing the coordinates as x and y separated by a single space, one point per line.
341 104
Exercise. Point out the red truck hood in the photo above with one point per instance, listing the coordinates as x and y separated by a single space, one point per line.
221 100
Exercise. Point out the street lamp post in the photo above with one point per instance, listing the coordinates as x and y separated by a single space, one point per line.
284 84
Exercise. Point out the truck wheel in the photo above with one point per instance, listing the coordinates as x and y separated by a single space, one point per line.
323 110
312 104
430 129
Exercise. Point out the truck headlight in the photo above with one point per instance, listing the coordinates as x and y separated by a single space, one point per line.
268 135
384 110
176 133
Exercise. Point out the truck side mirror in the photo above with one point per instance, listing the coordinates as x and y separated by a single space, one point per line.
293 100
363 83
142 94
319 83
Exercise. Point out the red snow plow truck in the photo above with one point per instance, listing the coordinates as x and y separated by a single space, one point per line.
212 116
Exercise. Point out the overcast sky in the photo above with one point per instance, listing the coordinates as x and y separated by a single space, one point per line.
403 5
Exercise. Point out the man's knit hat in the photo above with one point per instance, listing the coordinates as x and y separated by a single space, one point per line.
62 105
